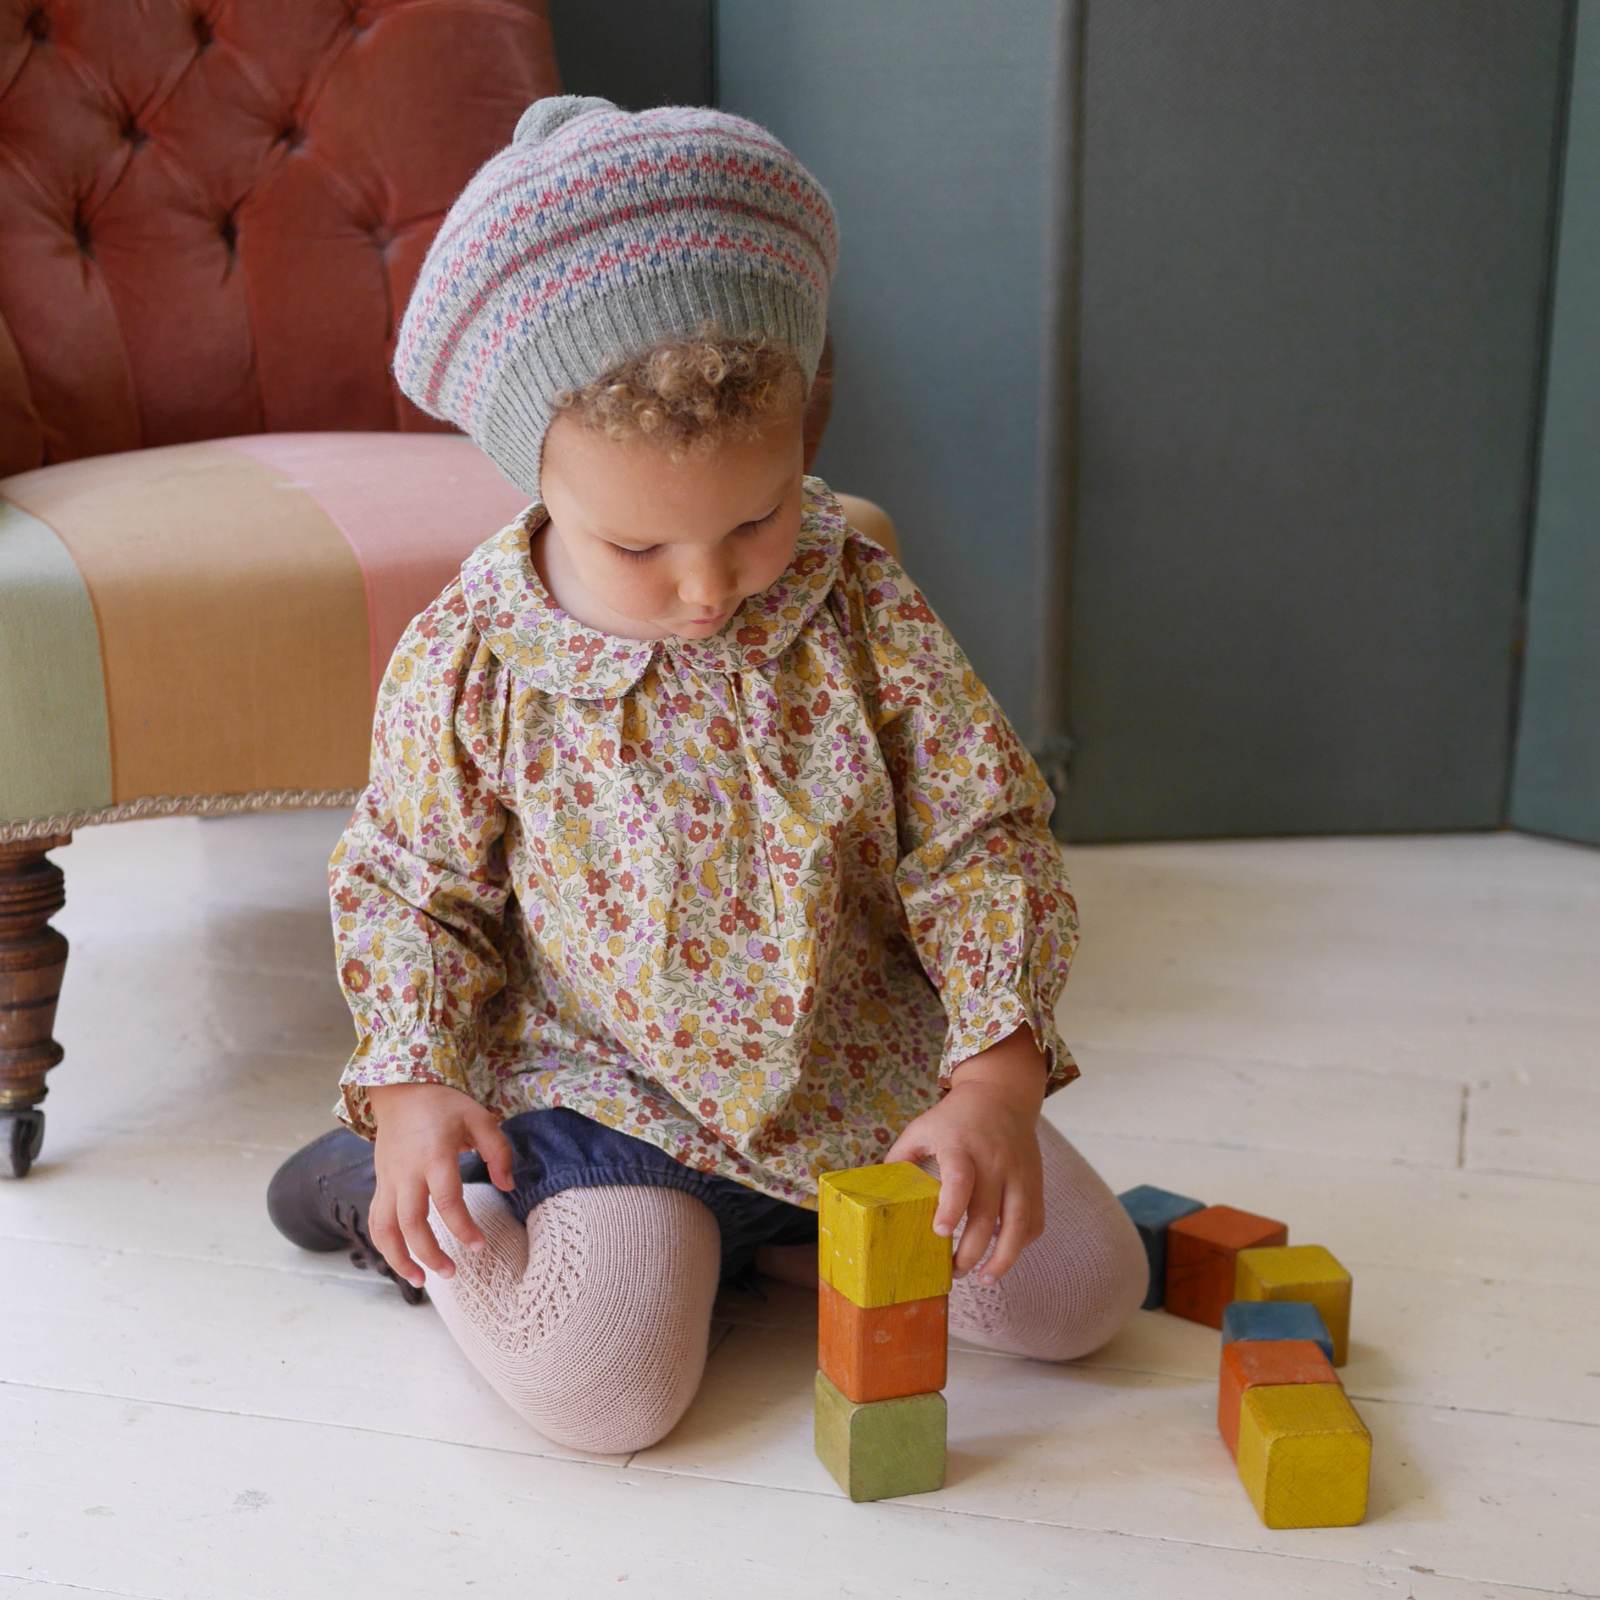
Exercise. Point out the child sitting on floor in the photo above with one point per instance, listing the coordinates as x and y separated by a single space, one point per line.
695 860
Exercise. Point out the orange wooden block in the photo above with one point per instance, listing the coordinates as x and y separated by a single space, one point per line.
1248 1362
882 1352
1200 1258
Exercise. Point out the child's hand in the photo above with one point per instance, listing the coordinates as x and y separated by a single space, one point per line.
984 1137
422 1130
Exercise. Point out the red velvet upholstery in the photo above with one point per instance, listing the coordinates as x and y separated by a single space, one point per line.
212 211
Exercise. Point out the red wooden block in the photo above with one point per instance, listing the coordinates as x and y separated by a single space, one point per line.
1247 1362
882 1352
1200 1258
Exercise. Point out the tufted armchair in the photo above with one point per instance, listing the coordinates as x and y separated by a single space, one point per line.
217 513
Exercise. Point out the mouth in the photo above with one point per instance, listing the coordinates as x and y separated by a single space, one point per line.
714 618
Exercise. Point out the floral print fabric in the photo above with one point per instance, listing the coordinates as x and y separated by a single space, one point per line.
750 897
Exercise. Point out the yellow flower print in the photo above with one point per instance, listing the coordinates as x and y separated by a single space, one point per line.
799 830
998 925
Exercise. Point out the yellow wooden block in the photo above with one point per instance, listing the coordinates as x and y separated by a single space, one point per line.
1304 1272
1305 1456
875 1238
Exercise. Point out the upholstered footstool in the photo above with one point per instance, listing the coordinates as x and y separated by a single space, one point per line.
202 628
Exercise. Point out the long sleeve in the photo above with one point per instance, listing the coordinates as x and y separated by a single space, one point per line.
418 882
986 896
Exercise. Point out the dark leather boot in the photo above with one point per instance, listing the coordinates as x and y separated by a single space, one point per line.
319 1198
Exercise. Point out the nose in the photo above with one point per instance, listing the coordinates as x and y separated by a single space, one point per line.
711 587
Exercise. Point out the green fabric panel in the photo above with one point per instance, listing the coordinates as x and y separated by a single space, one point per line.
55 749
1556 786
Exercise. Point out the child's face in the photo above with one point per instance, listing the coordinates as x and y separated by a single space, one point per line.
645 547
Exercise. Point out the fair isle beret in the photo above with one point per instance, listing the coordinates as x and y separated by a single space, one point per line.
595 234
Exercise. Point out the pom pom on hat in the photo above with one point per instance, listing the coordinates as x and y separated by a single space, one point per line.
543 117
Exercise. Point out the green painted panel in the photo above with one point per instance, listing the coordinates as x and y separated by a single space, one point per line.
926 123
1557 779
1315 259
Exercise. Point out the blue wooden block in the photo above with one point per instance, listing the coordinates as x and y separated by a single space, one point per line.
1152 1210
1276 1319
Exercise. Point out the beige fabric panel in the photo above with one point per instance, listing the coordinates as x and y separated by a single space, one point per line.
232 620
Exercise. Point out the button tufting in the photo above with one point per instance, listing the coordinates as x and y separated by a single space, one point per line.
37 23
204 33
80 232
230 233
134 134
292 136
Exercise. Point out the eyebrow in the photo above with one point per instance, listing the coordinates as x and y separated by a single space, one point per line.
772 500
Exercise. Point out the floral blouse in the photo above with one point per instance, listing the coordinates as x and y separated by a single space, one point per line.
750 897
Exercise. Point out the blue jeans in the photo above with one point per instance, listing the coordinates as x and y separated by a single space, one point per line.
557 1148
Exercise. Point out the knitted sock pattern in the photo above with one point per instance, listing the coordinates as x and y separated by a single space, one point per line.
592 1319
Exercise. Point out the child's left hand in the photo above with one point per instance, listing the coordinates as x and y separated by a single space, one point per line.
984 1137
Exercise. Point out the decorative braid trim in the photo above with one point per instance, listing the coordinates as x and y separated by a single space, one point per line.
172 805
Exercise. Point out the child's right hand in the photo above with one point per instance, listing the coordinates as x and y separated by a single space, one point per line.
422 1130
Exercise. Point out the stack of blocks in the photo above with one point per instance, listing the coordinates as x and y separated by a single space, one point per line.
1303 1453
883 1304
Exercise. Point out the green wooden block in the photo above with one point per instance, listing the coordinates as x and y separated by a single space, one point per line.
882 1448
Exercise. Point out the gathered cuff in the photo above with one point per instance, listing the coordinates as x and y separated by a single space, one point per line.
420 1058
982 1018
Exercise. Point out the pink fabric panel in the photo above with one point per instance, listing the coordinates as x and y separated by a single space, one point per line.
410 506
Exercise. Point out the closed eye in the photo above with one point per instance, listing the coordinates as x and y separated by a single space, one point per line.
744 528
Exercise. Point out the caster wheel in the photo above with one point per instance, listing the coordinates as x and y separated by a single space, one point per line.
26 1134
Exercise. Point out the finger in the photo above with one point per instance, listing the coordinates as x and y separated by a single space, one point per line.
957 1176
383 1229
983 1216
1016 1231
908 1147
412 1210
495 1148
445 1185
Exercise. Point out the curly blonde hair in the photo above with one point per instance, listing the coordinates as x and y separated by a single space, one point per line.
691 395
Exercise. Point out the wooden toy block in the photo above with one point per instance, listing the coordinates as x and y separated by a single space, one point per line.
1249 1362
1300 1272
1305 1456
876 1243
881 1448
882 1352
1200 1259
1153 1211
1276 1319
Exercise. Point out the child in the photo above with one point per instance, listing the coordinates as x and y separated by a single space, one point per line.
695 860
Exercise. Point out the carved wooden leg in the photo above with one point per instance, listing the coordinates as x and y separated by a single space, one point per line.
33 957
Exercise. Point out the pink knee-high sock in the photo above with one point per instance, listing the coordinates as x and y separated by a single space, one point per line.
591 1319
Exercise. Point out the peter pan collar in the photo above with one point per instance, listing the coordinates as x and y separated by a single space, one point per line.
555 652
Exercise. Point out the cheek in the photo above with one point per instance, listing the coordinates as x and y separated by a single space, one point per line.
632 588
773 559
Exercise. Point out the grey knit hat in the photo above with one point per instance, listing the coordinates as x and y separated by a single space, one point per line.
595 234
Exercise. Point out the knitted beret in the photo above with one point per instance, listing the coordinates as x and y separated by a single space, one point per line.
594 235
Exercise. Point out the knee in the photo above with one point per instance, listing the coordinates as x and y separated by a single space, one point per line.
609 1419
1068 1294
1095 1301
621 1367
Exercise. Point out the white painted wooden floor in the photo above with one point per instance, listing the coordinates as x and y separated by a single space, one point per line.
1391 1043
